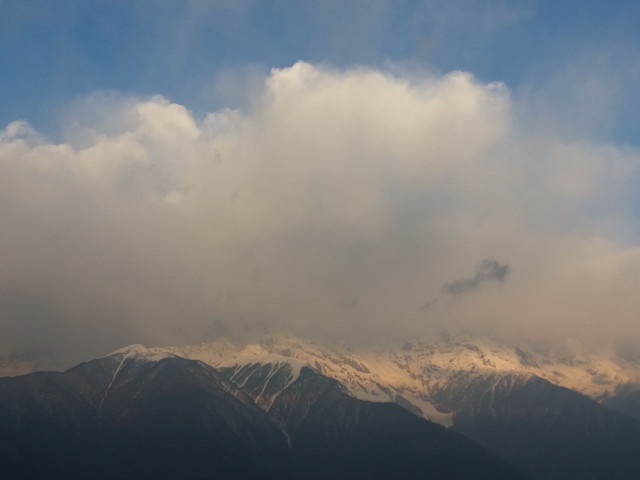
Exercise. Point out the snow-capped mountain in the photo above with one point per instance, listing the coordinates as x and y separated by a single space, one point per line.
411 374
137 352
536 408
149 414
325 408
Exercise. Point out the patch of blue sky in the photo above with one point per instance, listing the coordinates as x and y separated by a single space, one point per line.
573 53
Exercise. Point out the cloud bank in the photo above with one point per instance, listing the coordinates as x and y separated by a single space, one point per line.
340 202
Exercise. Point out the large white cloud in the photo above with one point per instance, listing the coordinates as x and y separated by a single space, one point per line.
341 201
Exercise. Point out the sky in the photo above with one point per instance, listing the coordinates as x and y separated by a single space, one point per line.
171 171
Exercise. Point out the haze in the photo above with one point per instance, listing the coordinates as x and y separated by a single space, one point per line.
373 189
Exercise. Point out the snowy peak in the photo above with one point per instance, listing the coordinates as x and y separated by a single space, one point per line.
413 374
141 353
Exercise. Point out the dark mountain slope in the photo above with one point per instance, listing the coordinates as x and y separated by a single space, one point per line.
625 400
127 418
42 420
550 432
334 435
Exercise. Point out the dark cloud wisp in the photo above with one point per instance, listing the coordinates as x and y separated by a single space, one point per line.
487 271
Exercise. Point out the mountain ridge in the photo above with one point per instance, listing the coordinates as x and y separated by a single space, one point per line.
145 414
410 373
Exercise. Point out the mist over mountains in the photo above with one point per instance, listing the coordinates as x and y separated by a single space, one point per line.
355 202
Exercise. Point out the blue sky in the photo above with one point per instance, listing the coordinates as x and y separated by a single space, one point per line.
173 169
53 52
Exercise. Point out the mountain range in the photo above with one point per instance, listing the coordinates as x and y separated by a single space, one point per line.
144 414
284 406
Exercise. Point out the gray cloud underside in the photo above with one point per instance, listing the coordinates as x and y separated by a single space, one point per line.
338 202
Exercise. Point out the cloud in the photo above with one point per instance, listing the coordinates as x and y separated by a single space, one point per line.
336 201
487 271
